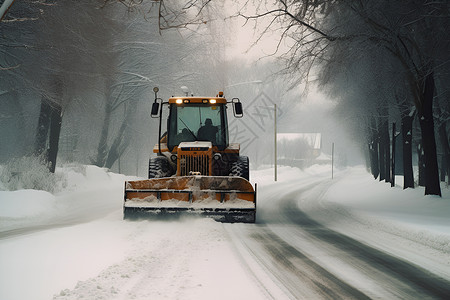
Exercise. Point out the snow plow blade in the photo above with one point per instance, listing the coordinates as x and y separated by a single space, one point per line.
225 199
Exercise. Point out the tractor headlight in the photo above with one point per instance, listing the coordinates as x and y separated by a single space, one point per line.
178 101
213 101
217 156
173 158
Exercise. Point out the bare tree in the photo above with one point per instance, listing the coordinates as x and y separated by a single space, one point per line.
412 45
317 27
19 49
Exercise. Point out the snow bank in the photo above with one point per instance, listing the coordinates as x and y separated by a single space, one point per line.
404 223
361 195
88 191
36 266
26 204
58 254
30 173
409 206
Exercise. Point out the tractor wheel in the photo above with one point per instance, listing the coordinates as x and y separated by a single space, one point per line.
159 167
240 167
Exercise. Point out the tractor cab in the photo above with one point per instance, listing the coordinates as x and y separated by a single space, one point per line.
196 141
197 119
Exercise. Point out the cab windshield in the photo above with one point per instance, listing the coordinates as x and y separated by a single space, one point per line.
188 123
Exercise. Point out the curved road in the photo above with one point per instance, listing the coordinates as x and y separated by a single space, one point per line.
308 260
287 254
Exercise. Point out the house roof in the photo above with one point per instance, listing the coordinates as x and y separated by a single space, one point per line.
313 139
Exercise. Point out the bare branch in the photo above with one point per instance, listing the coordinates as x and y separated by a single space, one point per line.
9 68
6 5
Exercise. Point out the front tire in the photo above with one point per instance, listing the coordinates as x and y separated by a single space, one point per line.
240 167
159 167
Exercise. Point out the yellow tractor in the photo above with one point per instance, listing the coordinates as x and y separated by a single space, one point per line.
196 170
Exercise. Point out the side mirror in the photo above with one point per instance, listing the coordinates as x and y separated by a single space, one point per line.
237 108
155 110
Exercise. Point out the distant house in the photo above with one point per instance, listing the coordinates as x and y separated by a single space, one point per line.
298 149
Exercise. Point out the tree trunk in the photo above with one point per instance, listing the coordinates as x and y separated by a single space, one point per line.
386 148
421 164
394 137
55 129
102 149
373 153
432 183
373 150
442 129
49 128
382 153
118 146
444 142
381 161
40 144
445 162
408 174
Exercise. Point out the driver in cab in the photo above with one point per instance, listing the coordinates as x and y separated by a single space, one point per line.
207 132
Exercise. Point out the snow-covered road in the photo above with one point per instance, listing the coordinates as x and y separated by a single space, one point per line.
307 243
312 261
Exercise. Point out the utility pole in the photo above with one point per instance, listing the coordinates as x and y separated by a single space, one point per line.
332 160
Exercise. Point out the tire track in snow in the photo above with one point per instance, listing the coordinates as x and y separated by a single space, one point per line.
301 275
413 281
290 269
284 243
189 259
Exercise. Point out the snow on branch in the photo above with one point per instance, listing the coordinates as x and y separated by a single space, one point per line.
4 8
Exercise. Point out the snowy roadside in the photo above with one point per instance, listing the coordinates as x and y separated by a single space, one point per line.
88 250
92 252
39 246
90 193
405 223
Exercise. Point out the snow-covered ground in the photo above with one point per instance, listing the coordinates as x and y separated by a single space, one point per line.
74 243
403 222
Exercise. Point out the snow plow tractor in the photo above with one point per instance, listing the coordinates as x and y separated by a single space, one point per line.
196 170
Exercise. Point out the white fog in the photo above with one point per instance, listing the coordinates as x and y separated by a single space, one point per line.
321 172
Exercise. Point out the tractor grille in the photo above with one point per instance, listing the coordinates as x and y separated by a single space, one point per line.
197 163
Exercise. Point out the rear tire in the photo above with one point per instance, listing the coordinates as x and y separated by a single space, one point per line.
159 167
240 167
